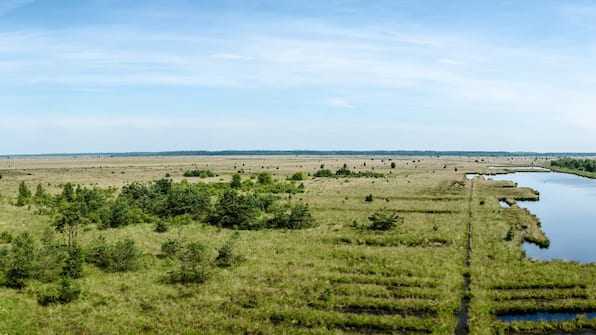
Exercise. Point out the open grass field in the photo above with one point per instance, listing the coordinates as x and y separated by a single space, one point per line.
451 266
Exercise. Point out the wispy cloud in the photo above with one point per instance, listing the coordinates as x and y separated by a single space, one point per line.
7 6
229 56
338 103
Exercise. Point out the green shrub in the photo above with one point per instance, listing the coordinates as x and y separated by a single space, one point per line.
121 213
393 165
181 220
368 198
383 221
298 176
194 265
121 256
5 237
171 247
199 173
237 211
299 217
184 198
73 264
264 178
124 255
161 226
64 292
323 173
344 171
21 261
236 181
510 234
24 196
227 255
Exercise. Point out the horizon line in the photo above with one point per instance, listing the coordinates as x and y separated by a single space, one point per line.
300 152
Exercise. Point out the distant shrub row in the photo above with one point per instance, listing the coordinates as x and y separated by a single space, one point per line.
345 172
199 173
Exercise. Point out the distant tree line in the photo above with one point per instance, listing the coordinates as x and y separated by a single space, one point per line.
588 165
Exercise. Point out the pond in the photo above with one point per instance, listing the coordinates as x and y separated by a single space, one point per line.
567 211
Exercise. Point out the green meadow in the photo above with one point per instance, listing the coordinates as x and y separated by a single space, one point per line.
444 257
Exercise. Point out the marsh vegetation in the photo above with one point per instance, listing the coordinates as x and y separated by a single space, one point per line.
269 245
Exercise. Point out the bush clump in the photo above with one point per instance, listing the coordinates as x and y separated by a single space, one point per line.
199 173
194 264
21 261
171 247
227 255
24 196
120 256
299 217
383 221
298 176
65 291
161 226
324 173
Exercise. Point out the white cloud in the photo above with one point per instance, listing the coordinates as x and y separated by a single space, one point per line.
229 56
338 103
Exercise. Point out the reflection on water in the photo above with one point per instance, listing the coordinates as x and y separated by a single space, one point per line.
504 204
519 168
567 210
545 316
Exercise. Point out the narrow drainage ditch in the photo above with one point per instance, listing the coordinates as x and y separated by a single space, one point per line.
462 315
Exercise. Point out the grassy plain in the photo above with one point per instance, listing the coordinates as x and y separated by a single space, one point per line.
337 278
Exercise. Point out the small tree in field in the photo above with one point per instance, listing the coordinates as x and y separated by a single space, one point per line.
236 181
393 165
383 221
265 178
24 195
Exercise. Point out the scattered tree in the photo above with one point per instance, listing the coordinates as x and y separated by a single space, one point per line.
24 195
236 181
264 178
383 221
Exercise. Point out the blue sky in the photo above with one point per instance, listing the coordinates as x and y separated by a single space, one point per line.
125 75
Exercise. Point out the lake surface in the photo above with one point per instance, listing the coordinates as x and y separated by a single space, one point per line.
567 210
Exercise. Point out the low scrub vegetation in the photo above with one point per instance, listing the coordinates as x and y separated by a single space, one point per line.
166 203
345 172
199 173
383 221
231 255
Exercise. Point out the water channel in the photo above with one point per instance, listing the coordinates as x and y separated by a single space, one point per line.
567 211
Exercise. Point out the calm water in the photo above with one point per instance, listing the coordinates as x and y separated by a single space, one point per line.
567 210
546 317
